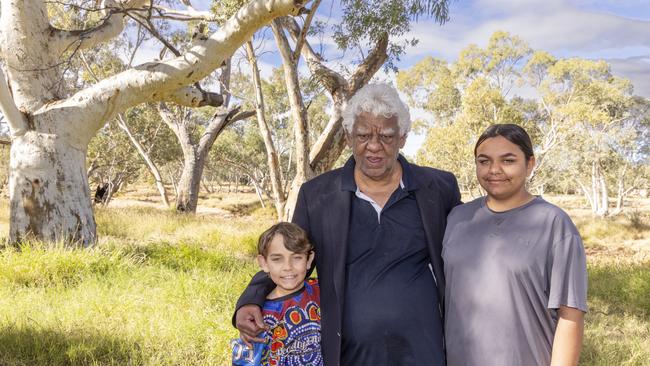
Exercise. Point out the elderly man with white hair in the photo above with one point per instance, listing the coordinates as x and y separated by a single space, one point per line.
377 226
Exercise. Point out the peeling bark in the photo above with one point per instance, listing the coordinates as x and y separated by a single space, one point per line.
44 173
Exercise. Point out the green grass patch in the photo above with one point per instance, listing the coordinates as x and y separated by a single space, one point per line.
617 328
40 265
158 289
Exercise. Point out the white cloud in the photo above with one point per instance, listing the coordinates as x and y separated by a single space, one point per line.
636 69
555 26
601 29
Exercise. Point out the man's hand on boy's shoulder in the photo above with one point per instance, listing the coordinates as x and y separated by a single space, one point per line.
249 322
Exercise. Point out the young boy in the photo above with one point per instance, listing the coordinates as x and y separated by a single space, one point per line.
292 310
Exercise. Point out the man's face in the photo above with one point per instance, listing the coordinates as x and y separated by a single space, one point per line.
375 143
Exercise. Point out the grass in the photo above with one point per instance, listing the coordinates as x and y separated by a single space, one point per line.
159 289
618 323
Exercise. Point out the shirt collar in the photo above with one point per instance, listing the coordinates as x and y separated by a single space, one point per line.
407 181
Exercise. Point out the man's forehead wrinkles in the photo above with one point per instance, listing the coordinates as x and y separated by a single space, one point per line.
375 128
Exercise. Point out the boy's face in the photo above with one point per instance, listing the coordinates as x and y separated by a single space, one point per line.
287 269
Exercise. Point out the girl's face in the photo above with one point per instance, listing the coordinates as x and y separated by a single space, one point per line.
502 168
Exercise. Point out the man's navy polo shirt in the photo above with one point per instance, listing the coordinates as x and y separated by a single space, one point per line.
391 309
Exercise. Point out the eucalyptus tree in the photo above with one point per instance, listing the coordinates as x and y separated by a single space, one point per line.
273 161
586 127
240 149
51 128
370 27
196 136
373 27
464 97
138 124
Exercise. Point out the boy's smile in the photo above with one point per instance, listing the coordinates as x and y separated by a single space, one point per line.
287 269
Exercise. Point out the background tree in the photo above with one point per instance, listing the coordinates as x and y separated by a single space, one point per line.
585 124
51 128
464 98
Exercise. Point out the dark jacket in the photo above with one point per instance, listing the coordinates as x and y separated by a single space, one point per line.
323 210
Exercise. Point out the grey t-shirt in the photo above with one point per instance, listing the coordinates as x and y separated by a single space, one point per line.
507 273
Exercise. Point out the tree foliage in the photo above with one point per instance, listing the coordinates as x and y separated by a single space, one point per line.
587 128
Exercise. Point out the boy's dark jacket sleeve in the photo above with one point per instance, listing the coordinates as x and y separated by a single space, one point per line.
261 285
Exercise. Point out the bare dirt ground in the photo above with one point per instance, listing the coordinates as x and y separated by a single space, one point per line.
224 202
624 236
628 234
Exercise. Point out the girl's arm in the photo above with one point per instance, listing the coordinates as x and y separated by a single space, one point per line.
568 337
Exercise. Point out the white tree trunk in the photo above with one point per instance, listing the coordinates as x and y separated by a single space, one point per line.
604 194
298 110
48 189
153 168
598 196
622 192
271 153
188 186
48 186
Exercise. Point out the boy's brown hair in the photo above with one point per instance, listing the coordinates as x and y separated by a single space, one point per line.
295 238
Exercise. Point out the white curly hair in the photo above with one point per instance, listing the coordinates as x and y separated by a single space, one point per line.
381 100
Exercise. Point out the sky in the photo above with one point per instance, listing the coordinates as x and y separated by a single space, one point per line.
615 31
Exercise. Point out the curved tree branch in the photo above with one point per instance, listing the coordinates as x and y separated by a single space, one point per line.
370 65
185 15
330 79
218 123
102 101
16 120
305 28
192 97
113 24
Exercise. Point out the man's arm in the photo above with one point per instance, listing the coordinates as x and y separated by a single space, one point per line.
248 314
568 337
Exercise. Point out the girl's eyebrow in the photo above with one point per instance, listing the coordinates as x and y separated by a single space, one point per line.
501 156
507 155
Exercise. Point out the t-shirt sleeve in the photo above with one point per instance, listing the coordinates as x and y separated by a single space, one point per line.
568 274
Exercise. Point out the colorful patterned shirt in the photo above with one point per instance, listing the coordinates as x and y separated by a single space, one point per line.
293 338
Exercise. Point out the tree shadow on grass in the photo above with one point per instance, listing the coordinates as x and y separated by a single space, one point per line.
186 257
625 289
33 346
243 209
619 316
